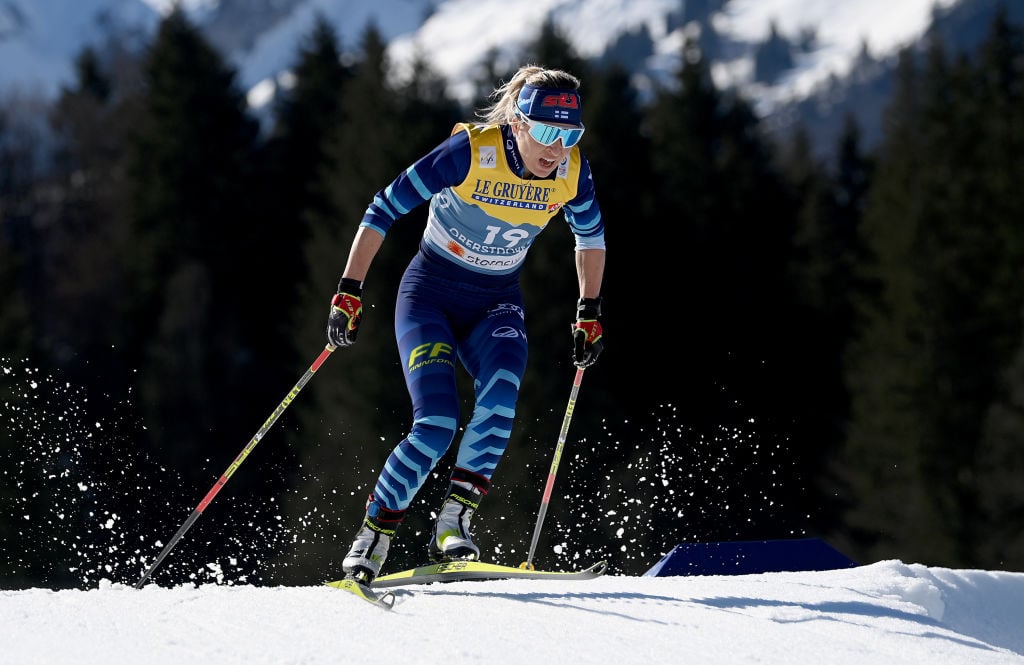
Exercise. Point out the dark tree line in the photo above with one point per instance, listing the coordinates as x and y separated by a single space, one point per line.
793 348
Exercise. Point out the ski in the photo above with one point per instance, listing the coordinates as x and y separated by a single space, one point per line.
458 571
384 600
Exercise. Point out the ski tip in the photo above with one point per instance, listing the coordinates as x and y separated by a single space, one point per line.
384 600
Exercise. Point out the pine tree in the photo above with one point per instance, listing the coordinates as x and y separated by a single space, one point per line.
16 335
988 248
878 459
719 194
90 246
308 119
202 329
20 237
816 282
726 275
999 537
15 344
944 321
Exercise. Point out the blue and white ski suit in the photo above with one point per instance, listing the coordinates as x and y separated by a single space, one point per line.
459 299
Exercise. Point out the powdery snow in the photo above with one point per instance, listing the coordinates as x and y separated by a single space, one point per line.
887 612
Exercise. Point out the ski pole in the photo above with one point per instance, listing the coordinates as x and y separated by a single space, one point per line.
528 564
238 462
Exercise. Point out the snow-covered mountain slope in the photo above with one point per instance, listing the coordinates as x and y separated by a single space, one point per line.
779 54
839 32
39 38
591 25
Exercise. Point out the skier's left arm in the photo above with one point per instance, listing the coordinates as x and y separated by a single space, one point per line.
583 215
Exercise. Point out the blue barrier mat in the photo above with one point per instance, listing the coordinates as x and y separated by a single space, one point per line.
749 557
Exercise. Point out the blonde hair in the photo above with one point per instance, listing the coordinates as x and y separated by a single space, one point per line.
503 110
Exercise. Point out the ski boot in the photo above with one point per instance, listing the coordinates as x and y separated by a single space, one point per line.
451 538
370 546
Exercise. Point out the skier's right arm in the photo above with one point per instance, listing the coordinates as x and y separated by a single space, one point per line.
347 304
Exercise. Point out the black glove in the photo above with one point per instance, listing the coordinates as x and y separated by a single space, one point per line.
586 332
346 313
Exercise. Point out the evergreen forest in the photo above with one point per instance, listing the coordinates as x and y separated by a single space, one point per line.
793 348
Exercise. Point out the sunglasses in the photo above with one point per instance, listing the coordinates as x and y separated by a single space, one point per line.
546 134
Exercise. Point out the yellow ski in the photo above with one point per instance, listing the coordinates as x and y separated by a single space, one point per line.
384 600
458 571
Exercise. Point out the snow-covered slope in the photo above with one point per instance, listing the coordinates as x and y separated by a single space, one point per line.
841 28
842 31
591 25
458 34
807 61
40 38
887 612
